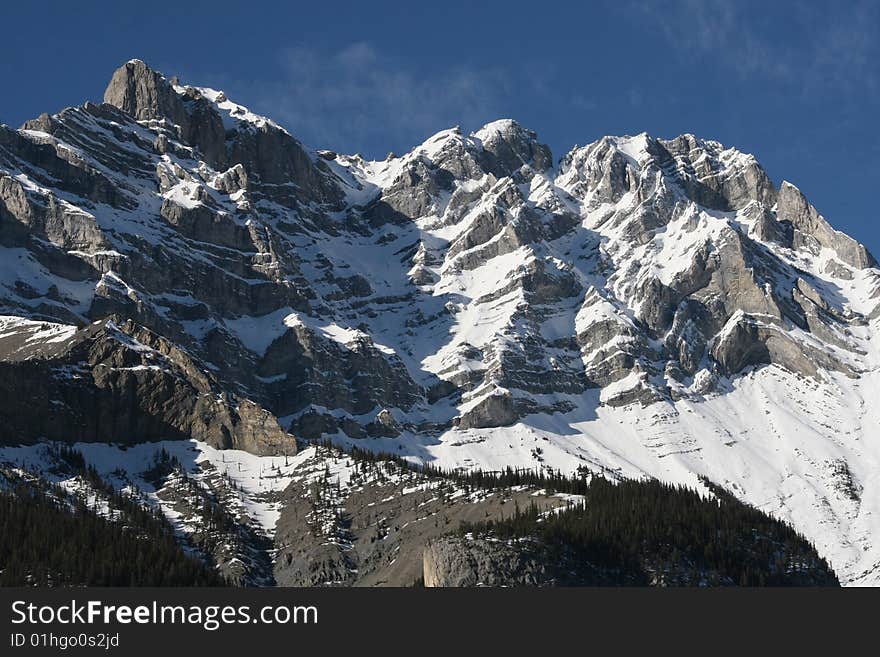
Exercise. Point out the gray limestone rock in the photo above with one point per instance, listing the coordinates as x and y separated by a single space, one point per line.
508 147
118 382
811 230
468 562
494 410
309 369
145 94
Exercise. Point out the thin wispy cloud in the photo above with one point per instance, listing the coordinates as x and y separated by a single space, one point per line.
809 52
357 97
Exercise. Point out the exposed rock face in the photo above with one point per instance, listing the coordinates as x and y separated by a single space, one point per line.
121 383
712 176
355 376
508 148
269 152
485 560
495 410
466 301
812 232
143 93
371 529
463 562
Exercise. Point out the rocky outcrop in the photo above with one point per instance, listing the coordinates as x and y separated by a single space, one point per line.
747 341
199 222
482 559
812 232
467 562
121 383
509 148
145 94
599 170
494 410
275 158
712 175
55 223
371 528
265 150
356 377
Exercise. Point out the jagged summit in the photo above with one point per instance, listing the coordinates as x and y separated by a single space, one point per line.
701 165
647 307
143 93
224 132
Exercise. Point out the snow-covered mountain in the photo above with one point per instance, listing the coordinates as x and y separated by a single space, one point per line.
641 308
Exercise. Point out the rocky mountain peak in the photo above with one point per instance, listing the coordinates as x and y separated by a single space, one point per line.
140 91
510 147
147 95
647 307
225 133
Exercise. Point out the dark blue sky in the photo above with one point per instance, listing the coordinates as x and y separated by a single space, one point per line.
795 83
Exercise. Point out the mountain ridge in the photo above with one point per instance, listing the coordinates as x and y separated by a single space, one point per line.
469 302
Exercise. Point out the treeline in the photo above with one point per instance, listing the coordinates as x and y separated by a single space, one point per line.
43 544
644 531
551 481
50 538
648 532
